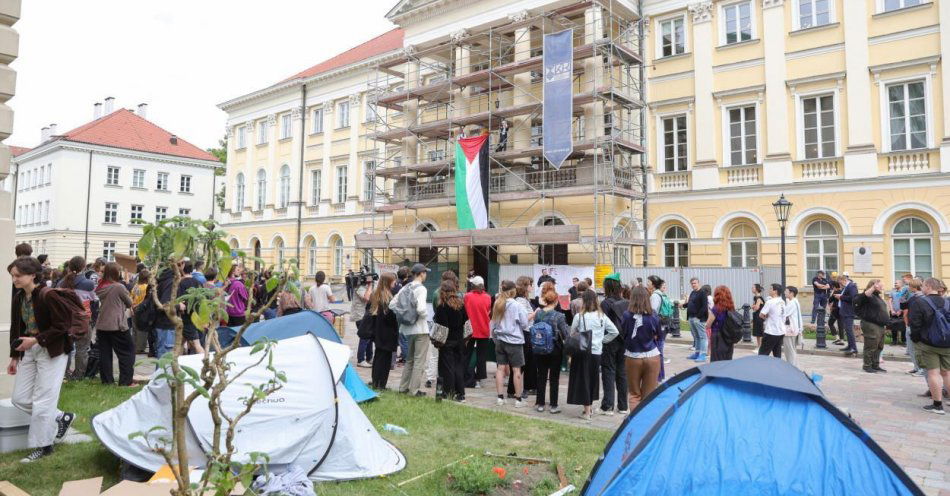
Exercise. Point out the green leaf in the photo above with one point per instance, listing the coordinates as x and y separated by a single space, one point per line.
202 391
136 434
225 266
294 289
258 346
272 283
191 372
146 243
223 247
180 243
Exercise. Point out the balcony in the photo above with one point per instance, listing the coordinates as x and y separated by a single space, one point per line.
743 175
313 210
908 162
672 181
819 169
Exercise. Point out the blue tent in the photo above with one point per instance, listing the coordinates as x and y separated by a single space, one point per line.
752 426
298 324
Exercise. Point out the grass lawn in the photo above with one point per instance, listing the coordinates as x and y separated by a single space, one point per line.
439 433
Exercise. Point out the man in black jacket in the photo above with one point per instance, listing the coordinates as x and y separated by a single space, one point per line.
936 360
872 310
697 310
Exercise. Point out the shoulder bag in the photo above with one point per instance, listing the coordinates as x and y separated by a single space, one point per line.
578 343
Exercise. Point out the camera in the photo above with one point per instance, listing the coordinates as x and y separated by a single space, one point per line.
360 277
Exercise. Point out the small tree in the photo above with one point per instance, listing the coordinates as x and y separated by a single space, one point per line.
163 246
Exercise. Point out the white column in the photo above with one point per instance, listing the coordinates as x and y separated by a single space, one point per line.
593 72
705 169
9 14
354 170
250 144
410 152
326 174
945 86
777 166
860 158
519 132
463 66
273 166
296 175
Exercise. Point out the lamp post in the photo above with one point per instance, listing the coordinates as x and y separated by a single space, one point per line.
782 208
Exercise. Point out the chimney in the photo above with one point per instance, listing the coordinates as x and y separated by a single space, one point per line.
173 140
97 110
52 130
110 102
44 134
142 108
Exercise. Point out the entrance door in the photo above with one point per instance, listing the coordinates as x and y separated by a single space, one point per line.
552 254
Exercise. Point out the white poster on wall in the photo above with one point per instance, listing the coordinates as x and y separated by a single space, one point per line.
563 275
383 267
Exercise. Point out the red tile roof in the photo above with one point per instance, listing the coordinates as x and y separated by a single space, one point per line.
18 150
124 129
379 45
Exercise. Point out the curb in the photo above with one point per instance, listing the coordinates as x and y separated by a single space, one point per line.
809 350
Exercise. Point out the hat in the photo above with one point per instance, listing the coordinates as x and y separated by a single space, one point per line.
845 273
477 281
615 276
418 269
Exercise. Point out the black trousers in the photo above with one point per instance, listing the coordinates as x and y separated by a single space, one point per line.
549 372
529 379
771 345
898 330
613 375
381 363
832 320
452 369
121 342
478 373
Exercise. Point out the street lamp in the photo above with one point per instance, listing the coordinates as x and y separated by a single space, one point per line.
782 208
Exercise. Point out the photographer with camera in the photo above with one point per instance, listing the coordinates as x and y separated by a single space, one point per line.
363 288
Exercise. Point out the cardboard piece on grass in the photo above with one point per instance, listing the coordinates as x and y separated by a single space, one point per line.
85 487
8 489
129 488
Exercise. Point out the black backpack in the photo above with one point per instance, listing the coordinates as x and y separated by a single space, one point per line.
732 328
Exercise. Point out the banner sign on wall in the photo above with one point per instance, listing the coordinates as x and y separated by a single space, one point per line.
563 275
558 103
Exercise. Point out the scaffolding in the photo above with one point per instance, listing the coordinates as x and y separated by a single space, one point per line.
489 79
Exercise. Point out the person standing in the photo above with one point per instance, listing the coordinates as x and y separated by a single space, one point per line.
190 332
583 385
237 296
320 295
612 368
757 324
834 311
351 283
385 329
364 351
529 380
198 273
663 308
577 304
549 366
719 349
477 307
77 280
39 345
450 312
544 277
821 285
774 330
793 326
846 310
572 291
697 313
872 310
509 322
403 278
112 332
922 312
915 290
640 329
417 334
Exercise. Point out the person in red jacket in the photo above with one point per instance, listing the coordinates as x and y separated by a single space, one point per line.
477 307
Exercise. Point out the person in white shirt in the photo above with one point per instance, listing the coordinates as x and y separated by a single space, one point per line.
417 334
793 327
320 296
773 313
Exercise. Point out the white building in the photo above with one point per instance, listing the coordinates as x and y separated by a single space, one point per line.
79 193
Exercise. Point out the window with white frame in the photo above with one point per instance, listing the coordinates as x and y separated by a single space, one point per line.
108 250
241 137
343 114
818 126
312 257
890 5
907 115
913 248
369 180
46 212
161 213
341 183
133 248
676 247
184 212
743 144
621 256
279 249
136 212
285 131
737 22
812 13
317 121
43 175
743 246
283 198
184 185
261 189
672 36
112 213
49 173
338 255
35 181
162 183
112 176
138 178
315 178
239 193
821 248
674 143
371 112
262 132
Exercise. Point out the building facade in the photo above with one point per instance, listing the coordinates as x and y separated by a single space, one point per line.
82 192
9 50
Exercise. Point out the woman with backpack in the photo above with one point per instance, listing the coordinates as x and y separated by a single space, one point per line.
77 280
39 346
450 312
549 364
583 386
663 307
112 331
640 328
719 348
509 321
523 287
612 369
237 296
385 328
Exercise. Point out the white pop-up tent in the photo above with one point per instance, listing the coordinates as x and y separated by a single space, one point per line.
312 422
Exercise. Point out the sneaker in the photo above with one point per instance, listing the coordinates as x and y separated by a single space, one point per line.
879 369
478 384
623 412
428 384
585 416
499 401
869 370
919 373
540 408
48 450
519 404
667 361
460 399
693 356
420 393
701 358
62 424
608 413
838 342
930 408
554 410
913 372
365 364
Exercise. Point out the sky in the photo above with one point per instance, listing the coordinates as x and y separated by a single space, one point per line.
181 57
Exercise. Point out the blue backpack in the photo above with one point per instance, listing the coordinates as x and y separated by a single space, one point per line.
542 337
939 331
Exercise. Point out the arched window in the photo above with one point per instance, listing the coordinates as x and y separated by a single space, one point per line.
676 247
261 189
337 244
624 231
256 245
821 248
279 251
428 255
913 248
284 197
312 256
552 254
239 193
743 246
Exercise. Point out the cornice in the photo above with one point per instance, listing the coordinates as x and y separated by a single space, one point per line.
62 144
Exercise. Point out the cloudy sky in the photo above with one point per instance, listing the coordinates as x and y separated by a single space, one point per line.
182 57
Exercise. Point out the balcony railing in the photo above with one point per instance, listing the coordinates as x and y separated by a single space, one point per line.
909 162
313 209
744 175
672 181
819 169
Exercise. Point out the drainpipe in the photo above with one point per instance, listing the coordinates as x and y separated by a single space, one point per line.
85 243
303 147
16 187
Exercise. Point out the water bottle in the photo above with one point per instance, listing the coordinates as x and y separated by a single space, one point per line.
395 429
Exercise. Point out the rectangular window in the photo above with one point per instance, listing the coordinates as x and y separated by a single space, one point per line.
185 184
343 115
813 13
136 213
133 248
241 137
315 178
161 213
742 138
112 213
818 126
49 173
184 212
138 178
900 4
162 183
112 176
341 184
262 132
369 186
108 250
907 119
46 212
673 37
371 111
285 126
317 125
674 143
737 20
42 175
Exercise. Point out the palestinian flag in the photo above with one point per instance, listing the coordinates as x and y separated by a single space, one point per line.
471 182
